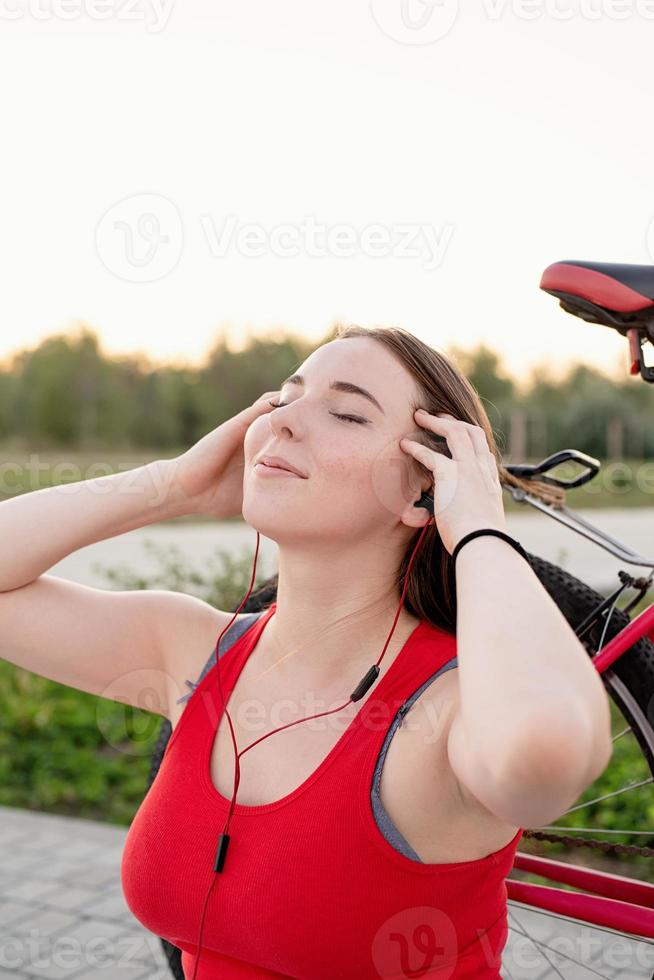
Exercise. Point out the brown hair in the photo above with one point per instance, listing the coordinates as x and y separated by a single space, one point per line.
431 592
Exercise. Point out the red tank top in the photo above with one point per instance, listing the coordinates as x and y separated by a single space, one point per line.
311 888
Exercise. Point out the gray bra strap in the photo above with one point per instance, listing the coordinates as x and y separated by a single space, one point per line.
382 817
234 633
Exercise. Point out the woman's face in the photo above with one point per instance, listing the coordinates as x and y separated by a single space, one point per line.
357 476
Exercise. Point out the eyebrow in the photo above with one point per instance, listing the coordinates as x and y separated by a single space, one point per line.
352 389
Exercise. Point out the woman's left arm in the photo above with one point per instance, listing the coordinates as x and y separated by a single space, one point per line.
533 726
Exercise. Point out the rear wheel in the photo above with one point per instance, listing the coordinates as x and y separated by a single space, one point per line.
610 826
626 815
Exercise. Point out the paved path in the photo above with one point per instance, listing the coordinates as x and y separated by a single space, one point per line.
62 914
199 543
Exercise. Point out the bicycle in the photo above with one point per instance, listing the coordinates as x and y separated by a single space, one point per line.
622 650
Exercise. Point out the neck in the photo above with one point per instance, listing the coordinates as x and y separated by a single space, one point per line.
328 623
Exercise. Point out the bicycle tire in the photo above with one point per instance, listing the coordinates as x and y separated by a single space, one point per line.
630 681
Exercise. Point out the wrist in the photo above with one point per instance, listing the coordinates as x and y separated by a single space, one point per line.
168 497
477 526
488 532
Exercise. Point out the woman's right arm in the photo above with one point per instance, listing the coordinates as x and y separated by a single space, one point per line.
39 528
138 645
114 644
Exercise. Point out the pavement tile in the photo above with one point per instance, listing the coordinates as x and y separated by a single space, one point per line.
19 861
16 835
95 931
135 972
69 897
140 944
79 850
30 889
111 906
11 912
44 922
90 944
15 953
94 877
55 868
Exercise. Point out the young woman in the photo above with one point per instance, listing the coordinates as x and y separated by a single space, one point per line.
332 871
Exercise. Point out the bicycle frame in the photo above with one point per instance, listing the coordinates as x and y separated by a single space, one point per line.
615 901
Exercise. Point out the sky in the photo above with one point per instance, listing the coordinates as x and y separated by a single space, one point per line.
173 170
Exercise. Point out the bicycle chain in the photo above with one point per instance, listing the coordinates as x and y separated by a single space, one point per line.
602 845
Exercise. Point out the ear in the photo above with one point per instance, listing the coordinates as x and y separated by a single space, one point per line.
417 512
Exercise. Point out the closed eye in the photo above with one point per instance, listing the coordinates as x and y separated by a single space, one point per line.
344 418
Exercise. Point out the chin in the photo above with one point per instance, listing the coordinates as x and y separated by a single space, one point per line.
270 518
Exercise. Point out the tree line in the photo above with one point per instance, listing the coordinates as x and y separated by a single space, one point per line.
66 392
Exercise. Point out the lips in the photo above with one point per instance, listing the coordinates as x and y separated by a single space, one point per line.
282 464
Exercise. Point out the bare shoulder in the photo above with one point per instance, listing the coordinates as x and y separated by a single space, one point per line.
191 629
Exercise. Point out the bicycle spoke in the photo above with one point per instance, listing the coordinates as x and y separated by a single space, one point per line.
624 731
590 925
541 945
617 792
538 945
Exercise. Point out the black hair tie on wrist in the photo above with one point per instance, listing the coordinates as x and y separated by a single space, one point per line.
488 530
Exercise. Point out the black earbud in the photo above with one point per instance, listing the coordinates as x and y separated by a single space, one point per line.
427 501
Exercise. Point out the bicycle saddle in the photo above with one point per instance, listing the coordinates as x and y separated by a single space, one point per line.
614 294
613 286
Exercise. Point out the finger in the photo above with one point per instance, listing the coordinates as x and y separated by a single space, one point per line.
478 436
476 433
436 462
259 406
458 439
490 473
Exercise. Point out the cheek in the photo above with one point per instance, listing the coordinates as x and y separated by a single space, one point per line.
256 438
393 479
